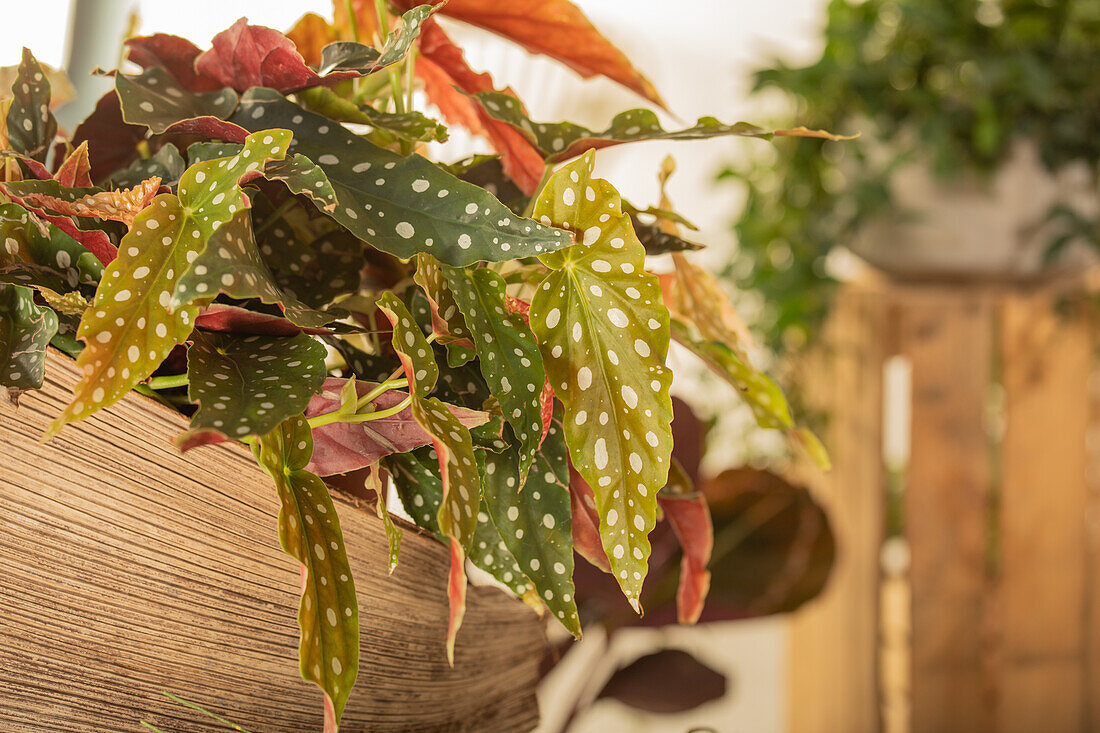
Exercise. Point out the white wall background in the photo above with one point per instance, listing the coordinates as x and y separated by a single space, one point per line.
699 53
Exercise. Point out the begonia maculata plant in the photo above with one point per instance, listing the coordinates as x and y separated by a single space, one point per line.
253 235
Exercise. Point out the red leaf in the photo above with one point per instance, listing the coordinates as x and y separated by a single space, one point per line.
245 56
341 447
76 171
690 520
198 438
456 597
667 681
209 127
176 55
112 143
556 28
586 522
441 67
231 319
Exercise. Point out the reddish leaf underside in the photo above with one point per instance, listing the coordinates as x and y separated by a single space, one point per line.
690 520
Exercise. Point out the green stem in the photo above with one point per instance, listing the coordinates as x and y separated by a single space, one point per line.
352 20
546 173
168 382
380 390
395 76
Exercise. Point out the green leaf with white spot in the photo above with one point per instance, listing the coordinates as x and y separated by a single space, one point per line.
507 354
363 59
374 476
232 264
31 124
447 322
25 329
130 327
535 523
412 126
558 141
401 205
453 445
309 531
297 172
154 99
248 385
604 333
166 164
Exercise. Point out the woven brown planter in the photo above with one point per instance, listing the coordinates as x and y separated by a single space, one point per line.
127 569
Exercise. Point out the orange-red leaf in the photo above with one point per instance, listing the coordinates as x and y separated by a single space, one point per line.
586 522
441 67
76 171
120 206
690 520
555 28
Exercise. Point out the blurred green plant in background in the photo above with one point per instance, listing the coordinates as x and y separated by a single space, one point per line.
951 83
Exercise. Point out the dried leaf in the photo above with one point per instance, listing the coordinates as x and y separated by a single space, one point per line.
120 206
404 205
309 531
603 333
130 329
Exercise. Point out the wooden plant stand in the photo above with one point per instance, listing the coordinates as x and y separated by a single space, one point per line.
998 627
127 569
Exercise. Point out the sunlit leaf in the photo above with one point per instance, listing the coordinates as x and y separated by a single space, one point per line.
695 296
403 205
248 385
340 447
154 99
558 141
130 329
603 332
309 531
76 170
31 124
446 76
556 28
507 354
231 264
25 329
535 523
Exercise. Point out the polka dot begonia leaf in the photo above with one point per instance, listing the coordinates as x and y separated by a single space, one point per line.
363 59
416 476
401 205
121 205
309 531
31 124
131 326
248 385
558 141
454 449
232 264
447 322
42 259
376 482
507 353
603 332
25 329
412 126
166 164
153 98
535 523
